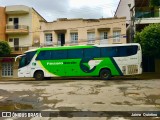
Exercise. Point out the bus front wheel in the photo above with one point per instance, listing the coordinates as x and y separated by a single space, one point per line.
39 75
105 74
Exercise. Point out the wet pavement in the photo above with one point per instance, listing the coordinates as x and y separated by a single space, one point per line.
81 95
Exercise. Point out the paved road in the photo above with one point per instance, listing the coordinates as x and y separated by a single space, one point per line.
81 95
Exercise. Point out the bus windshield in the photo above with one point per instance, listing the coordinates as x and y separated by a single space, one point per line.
22 61
26 59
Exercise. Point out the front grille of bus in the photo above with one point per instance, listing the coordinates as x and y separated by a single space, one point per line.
132 69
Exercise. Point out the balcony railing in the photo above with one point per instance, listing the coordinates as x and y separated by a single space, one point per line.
147 13
24 29
74 42
19 49
91 42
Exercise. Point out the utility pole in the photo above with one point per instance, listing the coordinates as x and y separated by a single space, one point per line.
130 22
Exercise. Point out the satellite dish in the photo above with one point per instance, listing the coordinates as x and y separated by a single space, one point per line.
36 41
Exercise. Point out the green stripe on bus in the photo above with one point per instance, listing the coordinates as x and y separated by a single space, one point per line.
117 68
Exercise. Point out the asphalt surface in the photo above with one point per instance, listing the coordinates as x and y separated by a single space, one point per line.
81 95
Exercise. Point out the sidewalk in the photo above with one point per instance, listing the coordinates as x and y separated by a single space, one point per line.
16 78
143 76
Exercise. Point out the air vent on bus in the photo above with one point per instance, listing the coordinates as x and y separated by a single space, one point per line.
132 69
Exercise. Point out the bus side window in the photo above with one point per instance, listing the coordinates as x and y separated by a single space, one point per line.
59 54
109 52
75 53
91 53
44 55
122 52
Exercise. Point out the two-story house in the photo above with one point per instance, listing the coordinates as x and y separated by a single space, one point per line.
83 31
21 28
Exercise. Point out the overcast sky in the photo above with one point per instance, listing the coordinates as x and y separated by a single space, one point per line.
53 9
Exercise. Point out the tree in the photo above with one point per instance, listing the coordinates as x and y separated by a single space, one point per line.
149 38
4 48
154 3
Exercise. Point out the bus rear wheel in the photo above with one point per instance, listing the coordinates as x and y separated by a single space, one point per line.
39 75
105 74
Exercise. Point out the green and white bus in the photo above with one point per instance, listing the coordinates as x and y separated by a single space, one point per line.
101 61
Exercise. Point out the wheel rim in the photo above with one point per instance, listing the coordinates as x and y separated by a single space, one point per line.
105 75
39 76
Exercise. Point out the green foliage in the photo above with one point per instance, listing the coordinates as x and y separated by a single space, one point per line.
154 3
149 39
4 48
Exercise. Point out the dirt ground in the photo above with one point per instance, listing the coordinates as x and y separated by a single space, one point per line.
81 95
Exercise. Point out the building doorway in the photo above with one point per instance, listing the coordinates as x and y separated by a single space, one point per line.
15 22
7 69
16 44
61 39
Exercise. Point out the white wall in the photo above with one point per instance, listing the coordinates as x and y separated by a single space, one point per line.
24 19
123 9
24 40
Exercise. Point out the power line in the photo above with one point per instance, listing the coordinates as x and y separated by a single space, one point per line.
79 10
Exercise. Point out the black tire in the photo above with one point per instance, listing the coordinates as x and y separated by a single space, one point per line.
39 75
105 74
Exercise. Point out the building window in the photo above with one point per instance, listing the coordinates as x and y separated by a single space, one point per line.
116 36
104 35
14 43
10 39
91 37
74 37
7 69
10 19
48 37
104 38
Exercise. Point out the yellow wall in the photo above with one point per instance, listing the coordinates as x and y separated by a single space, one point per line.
82 26
36 27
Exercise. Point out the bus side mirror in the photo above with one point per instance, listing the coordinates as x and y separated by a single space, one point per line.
18 57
